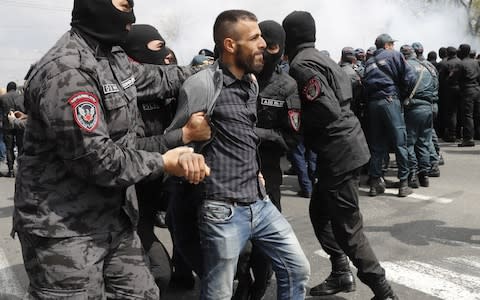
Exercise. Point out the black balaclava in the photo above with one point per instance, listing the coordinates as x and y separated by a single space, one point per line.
463 51
273 34
101 20
136 45
299 28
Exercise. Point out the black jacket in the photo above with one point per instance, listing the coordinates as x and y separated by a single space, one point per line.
278 113
329 125
11 101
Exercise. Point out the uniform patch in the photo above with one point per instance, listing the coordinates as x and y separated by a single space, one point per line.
272 102
128 82
110 88
312 89
85 110
294 117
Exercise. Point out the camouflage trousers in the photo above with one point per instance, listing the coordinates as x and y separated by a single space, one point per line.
99 266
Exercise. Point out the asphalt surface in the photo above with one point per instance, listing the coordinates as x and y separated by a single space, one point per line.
429 242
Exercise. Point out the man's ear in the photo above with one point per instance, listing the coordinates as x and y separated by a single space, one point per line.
229 45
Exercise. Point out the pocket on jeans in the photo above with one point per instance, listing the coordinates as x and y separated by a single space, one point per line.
217 212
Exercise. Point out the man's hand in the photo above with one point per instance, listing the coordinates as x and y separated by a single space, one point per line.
11 117
181 161
196 129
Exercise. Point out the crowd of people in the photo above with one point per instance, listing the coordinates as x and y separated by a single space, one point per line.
114 138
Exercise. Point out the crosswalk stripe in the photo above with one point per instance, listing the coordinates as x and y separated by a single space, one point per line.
414 197
8 281
433 280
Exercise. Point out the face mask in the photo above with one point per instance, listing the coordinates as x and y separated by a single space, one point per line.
101 20
273 34
136 45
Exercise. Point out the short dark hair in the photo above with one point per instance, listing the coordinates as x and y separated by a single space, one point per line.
223 26
11 86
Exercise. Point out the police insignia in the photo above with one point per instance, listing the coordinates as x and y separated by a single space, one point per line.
294 117
312 89
85 110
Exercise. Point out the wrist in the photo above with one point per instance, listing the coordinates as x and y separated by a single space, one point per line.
185 135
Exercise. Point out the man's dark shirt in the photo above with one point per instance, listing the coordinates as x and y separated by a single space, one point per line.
232 153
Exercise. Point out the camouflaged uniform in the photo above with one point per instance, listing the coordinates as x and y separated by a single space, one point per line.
75 205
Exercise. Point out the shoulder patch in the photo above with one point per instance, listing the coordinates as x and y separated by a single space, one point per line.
294 118
312 90
85 110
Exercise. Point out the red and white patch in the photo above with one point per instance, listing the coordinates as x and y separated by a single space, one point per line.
312 90
85 110
294 117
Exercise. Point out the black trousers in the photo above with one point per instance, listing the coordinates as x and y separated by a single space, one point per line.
452 101
13 138
338 224
149 199
272 174
470 112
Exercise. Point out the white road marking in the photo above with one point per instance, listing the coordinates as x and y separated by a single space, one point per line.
433 280
9 284
414 197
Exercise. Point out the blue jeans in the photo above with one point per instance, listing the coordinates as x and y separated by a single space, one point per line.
226 227
304 161
387 127
419 137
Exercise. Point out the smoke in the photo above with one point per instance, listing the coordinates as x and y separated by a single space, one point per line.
29 29
187 25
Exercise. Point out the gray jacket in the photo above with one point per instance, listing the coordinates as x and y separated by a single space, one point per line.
199 93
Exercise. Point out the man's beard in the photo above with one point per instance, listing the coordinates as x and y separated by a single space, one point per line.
247 62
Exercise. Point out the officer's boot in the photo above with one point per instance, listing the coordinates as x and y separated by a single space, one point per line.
423 179
383 291
413 181
340 279
377 186
404 190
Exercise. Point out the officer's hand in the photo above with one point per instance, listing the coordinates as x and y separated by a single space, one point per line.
11 117
20 115
181 161
196 129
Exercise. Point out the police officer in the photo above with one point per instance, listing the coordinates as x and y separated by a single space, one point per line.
418 118
388 79
469 76
333 131
278 126
75 206
10 102
418 48
348 62
449 76
144 44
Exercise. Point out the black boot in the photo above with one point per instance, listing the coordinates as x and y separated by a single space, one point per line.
383 291
413 181
340 279
404 190
377 186
423 179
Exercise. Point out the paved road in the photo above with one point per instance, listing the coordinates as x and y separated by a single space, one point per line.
429 242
